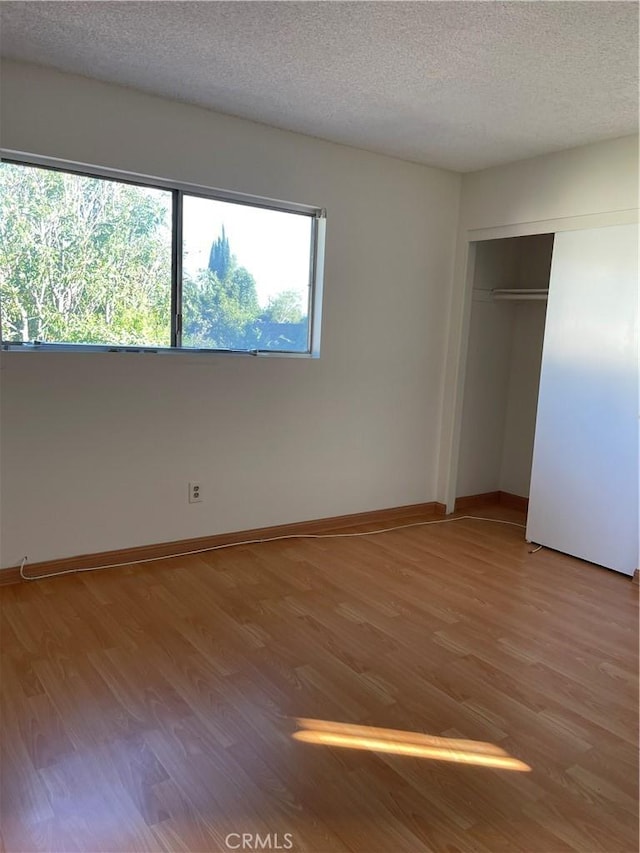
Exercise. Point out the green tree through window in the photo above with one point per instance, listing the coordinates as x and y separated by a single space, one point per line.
88 260
221 308
82 259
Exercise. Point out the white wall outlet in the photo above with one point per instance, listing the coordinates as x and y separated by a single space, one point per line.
195 493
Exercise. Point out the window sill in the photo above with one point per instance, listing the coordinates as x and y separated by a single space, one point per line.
101 348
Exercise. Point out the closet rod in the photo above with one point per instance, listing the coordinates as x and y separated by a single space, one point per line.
521 294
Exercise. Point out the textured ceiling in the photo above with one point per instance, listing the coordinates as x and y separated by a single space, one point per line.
463 85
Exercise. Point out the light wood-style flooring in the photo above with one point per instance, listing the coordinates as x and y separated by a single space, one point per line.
151 708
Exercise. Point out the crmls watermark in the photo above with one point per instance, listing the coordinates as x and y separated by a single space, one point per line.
256 841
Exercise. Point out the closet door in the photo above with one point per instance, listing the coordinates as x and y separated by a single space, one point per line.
584 482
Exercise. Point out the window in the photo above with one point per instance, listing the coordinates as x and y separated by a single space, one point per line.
101 261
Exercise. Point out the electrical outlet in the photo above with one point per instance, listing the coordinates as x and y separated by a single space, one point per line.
195 493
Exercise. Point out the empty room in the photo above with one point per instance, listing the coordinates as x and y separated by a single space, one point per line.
319 427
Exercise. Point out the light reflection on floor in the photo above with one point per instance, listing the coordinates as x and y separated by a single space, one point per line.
413 744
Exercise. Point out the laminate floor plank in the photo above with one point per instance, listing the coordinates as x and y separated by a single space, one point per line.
153 709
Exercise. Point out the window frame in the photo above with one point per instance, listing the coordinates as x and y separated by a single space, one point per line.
180 189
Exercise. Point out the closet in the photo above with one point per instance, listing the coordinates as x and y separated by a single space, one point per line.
551 392
508 311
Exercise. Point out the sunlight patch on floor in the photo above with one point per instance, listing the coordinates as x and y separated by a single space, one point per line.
413 744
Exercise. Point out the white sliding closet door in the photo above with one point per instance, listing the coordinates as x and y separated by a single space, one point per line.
584 482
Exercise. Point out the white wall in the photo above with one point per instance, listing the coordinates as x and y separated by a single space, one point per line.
97 449
486 398
487 371
575 182
533 271
500 398
522 397
577 188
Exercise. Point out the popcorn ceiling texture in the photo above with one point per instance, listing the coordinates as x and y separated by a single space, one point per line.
461 85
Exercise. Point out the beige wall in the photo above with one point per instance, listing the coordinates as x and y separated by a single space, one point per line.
577 188
97 449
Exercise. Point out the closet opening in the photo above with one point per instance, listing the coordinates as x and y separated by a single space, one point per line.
506 332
